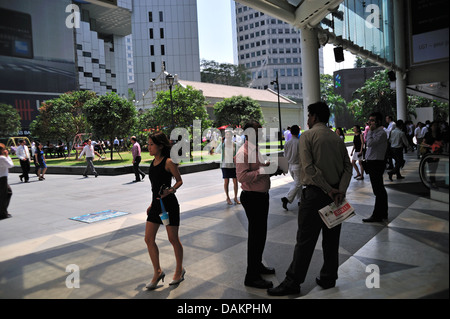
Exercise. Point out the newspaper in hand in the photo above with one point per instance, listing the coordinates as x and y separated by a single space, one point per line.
333 215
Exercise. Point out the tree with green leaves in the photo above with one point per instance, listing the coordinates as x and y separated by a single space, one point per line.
224 73
62 118
189 104
375 96
237 110
111 116
335 102
9 120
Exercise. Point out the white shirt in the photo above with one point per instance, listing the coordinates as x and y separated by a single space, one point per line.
23 152
88 150
291 150
423 131
390 127
417 132
5 164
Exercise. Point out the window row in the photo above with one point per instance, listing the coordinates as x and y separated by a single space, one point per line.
274 41
281 73
150 16
283 87
152 35
162 51
251 26
271 60
251 15
285 30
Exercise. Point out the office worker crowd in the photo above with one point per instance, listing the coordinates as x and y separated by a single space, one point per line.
321 169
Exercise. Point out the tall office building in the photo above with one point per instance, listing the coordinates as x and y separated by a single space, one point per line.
164 31
49 47
267 46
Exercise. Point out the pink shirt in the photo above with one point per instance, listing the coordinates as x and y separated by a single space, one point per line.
136 150
249 171
367 129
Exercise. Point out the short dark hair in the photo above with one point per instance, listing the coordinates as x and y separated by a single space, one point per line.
253 124
321 110
378 118
295 130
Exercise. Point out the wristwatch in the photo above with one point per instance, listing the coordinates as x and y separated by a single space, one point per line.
173 189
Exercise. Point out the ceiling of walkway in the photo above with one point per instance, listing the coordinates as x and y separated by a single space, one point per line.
309 13
299 13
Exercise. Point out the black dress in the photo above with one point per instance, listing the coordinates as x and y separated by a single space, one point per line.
158 177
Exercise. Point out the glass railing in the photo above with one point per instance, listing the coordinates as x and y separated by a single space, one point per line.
434 171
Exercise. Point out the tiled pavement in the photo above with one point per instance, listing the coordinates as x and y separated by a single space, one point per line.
40 241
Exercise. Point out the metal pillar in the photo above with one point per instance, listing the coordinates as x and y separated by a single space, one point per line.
311 70
399 45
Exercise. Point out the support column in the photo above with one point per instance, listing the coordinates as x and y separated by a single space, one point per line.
310 70
399 45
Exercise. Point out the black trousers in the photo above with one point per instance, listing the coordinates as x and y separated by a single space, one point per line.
137 171
5 196
256 206
309 227
376 171
25 165
397 155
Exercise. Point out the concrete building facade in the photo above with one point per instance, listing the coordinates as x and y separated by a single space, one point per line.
267 46
165 32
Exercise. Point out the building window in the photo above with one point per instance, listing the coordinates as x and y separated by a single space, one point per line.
153 66
150 17
163 50
150 32
161 33
161 16
152 50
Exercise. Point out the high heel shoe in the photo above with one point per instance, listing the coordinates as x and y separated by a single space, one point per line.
176 282
152 285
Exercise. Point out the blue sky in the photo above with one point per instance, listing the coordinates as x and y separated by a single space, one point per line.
216 38
215 30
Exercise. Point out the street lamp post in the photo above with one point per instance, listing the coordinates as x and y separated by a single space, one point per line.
169 80
279 110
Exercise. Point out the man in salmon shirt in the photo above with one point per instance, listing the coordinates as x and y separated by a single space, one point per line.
254 175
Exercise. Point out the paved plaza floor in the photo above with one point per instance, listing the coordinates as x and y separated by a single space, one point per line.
40 245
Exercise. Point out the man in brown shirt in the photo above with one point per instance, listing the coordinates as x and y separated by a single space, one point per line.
326 173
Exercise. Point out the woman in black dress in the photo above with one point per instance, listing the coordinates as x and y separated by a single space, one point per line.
162 170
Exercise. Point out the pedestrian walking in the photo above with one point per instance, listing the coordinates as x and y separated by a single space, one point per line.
291 154
23 153
398 142
357 152
162 170
40 159
136 152
5 190
89 151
